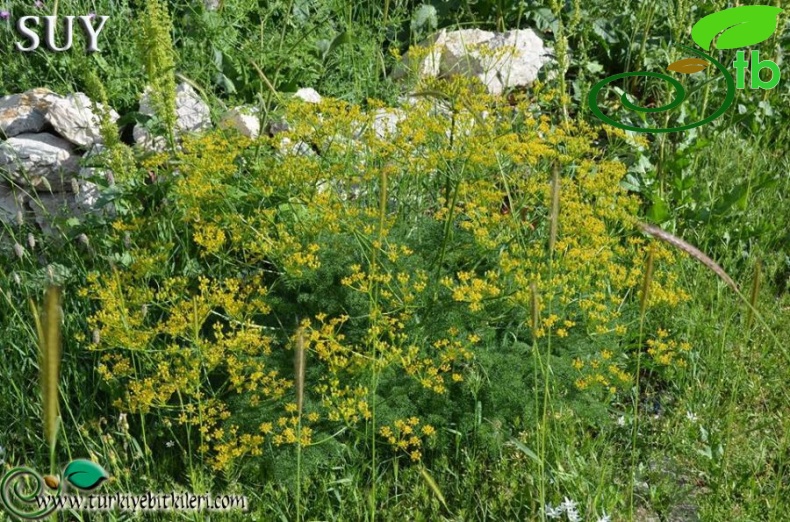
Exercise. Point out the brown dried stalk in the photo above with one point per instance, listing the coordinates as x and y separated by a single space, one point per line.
299 369
690 250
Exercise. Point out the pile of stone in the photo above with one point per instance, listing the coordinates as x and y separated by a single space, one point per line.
46 142
45 138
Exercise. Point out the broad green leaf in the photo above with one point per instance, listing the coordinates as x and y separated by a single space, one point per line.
737 197
659 210
739 27
84 474
342 38
525 450
225 82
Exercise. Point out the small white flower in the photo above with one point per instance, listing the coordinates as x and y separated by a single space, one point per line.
691 416
621 420
569 506
170 444
553 512
604 518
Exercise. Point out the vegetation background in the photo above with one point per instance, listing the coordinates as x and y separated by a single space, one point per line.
468 324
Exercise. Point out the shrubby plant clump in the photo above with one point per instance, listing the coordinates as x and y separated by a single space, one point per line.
401 295
470 308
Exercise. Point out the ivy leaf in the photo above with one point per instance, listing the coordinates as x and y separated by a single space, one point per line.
84 474
740 27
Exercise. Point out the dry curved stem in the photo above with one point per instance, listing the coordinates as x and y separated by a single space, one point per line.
690 249
697 254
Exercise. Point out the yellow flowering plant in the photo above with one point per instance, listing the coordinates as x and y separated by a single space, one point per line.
407 253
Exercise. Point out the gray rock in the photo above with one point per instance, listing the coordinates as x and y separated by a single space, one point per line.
73 118
12 204
40 173
300 148
308 94
192 115
49 207
38 160
384 123
499 60
243 119
25 113
644 514
276 127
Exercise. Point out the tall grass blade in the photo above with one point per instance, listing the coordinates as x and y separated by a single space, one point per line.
758 269
644 296
535 308
555 208
719 271
434 486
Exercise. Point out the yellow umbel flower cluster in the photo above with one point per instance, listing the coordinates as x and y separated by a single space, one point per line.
397 255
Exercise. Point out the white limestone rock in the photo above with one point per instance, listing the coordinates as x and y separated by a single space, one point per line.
308 94
243 119
192 115
26 112
12 205
38 160
384 123
73 118
499 60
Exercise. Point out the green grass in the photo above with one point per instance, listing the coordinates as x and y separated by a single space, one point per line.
704 441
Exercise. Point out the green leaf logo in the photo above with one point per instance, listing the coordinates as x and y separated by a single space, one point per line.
84 474
739 27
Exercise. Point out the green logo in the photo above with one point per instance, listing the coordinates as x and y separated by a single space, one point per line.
24 492
736 27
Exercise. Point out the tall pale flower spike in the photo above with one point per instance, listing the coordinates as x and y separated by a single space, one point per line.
299 368
48 330
691 250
